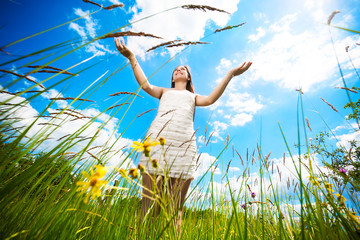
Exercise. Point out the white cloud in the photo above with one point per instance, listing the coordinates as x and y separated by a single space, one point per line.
188 25
283 173
260 33
234 100
234 169
283 183
219 125
108 146
241 119
215 170
345 139
204 162
218 129
98 49
300 60
90 23
52 93
79 29
115 1
241 106
321 9
225 64
242 102
89 31
260 16
284 23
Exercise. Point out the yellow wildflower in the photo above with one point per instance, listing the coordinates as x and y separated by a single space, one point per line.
100 171
340 197
315 183
145 146
133 173
354 217
232 232
328 187
353 213
122 172
162 141
93 185
311 177
313 180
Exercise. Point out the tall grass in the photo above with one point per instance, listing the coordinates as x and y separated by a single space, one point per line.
39 197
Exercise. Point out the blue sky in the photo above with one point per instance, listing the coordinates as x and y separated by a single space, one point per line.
287 41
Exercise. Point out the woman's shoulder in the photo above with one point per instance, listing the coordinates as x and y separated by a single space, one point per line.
166 90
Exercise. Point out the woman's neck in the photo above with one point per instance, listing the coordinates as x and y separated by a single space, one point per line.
180 85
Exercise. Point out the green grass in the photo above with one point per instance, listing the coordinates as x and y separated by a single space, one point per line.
39 197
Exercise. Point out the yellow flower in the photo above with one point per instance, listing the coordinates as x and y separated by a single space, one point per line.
313 180
162 141
133 173
93 185
340 197
311 177
100 171
232 232
145 146
328 187
155 163
342 204
315 183
122 172
352 215
141 168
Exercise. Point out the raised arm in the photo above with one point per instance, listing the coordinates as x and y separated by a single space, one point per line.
219 89
138 72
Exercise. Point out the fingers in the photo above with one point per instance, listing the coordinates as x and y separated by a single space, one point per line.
117 43
120 45
248 64
245 66
242 68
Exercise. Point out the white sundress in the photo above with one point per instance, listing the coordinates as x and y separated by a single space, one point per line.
174 122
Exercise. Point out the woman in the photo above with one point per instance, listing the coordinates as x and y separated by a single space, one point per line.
174 123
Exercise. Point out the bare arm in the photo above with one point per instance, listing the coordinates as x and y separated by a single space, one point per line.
219 89
138 72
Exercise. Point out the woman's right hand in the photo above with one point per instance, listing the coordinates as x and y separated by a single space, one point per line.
120 45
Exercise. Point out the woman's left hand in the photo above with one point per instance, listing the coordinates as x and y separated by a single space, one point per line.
240 70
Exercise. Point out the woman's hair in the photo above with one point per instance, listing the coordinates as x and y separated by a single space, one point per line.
189 85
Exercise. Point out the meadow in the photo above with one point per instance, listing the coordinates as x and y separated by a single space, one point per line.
67 192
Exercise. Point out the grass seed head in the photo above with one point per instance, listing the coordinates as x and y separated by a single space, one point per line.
332 16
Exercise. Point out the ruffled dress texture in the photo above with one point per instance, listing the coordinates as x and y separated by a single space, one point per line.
174 122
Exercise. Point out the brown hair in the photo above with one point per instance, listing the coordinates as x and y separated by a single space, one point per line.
189 85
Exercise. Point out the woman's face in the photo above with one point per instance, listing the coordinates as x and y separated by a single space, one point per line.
180 73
